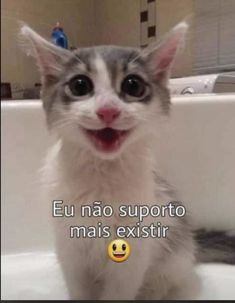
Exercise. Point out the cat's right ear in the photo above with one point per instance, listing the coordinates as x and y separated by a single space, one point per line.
48 56
161 56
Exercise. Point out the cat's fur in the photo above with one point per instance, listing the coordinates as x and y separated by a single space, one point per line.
77 173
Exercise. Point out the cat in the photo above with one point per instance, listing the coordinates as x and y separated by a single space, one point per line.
106 104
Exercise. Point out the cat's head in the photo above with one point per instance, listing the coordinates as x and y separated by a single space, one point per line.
104 98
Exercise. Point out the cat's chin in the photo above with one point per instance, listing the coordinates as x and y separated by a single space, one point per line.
107 140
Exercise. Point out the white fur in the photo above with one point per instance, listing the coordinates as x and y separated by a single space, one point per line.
77 175
78 178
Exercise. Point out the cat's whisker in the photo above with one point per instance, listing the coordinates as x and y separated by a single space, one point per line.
62 123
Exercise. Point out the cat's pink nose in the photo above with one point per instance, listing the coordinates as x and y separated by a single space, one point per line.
108 114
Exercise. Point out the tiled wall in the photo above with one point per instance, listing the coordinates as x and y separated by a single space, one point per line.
147 22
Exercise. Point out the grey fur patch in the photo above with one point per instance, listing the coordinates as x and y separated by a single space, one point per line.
215 246
117 60
49 97
165 98
83 56
179 236
165 186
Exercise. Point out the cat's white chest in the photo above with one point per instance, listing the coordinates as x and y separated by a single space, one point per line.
111 184
82 181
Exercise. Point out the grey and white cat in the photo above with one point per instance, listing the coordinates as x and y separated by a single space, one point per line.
106 104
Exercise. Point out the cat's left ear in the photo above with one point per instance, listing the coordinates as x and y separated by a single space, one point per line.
49 57
160 57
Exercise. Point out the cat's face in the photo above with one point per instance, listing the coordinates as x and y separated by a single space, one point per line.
105 101
104 98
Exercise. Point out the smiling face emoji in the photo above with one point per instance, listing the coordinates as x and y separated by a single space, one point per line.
119 250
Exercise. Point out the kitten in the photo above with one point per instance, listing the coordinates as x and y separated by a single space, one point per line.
106 105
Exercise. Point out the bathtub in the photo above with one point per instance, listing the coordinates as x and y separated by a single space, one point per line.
196 153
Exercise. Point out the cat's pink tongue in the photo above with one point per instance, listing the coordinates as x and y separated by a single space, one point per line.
107 139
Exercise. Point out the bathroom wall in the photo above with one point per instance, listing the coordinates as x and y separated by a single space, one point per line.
86 22
117 22
76 16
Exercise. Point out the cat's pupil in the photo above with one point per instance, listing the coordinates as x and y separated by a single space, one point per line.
124 247
81 85
134 86
114 247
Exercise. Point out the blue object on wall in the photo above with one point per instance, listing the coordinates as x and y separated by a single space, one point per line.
58 36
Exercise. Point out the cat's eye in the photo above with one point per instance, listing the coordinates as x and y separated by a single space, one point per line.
133 85
80 85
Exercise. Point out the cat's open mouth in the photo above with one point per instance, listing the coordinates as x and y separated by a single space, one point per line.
107 139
